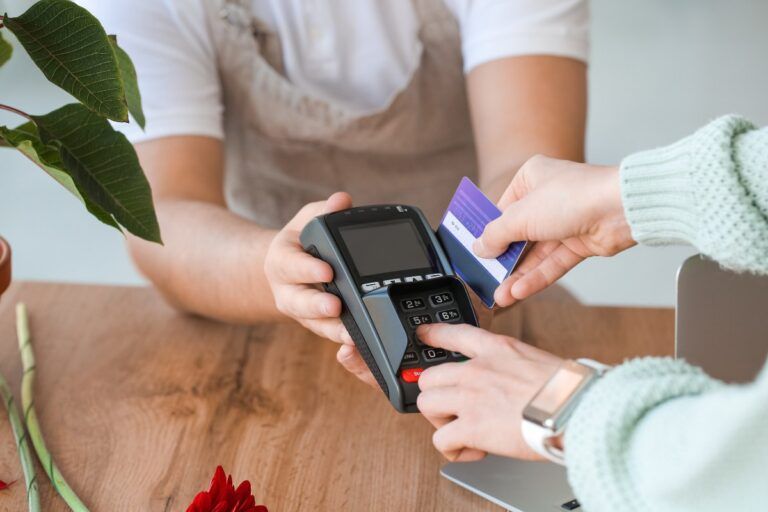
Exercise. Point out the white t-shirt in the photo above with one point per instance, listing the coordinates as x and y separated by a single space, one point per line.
359 53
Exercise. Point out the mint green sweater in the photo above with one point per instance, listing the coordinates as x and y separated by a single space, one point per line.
655 434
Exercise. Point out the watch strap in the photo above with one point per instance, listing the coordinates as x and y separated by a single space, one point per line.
538 439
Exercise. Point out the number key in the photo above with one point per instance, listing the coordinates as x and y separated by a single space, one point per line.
433 354
441 299
449 315
411 304
418 320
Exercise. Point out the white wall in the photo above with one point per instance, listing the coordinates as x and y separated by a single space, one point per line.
659 69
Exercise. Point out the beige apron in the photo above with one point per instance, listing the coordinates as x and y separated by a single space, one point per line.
285 148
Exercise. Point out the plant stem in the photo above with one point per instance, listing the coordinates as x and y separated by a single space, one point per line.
30 416
22 442
16 111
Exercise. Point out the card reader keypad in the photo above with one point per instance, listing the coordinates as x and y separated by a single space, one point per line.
425 308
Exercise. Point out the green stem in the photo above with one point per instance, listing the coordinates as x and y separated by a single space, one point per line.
30 416
22 442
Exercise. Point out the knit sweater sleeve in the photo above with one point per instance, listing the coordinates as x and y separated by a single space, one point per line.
709 190
659 435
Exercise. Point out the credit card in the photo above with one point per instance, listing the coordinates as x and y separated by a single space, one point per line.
464 221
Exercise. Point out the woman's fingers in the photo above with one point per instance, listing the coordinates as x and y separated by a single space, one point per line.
439 402
462 338
446 374
533 258
548 271
452 439
513 225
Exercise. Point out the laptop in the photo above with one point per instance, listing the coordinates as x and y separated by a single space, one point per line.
720 325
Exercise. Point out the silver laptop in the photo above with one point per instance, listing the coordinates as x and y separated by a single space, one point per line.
721 325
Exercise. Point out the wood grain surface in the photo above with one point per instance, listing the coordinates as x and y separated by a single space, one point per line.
139 403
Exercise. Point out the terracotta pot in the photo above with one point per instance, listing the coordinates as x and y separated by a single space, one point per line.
5 265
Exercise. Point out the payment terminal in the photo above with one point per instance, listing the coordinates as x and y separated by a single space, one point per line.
392 275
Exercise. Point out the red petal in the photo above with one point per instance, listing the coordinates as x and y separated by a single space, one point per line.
218 485
201 503
243 490
4 486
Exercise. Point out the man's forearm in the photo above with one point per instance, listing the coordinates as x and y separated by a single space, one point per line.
524 106
211 264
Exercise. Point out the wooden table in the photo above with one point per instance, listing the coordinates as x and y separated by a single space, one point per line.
139 403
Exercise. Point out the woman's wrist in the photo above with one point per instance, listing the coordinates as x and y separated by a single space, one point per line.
612 225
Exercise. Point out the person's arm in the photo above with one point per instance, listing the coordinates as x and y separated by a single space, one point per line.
212 261
654 434
659 435
522 106
707 190
217 264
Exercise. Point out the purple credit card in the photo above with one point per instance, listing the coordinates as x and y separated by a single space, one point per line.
464 221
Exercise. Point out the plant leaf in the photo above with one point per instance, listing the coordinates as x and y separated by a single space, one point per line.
130 82
71 48
6 50
103 165
26 139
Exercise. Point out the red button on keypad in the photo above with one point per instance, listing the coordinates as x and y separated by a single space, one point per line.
411 374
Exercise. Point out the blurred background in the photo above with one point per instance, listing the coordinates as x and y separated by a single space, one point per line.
658 70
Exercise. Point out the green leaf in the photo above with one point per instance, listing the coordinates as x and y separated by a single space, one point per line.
103 165
71 48
26 139
6 50
130 82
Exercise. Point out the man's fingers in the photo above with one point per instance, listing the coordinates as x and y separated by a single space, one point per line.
330 328
298 267
350 359
462 338
552 268
443 375
338 201
300 301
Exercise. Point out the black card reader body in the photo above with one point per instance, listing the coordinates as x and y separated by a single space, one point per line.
392 275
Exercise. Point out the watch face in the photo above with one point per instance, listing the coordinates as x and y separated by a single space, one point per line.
551 401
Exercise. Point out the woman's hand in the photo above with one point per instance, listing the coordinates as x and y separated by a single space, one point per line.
294 275
477 405
571 210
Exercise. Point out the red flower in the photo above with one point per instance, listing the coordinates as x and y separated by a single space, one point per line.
4 486
223 497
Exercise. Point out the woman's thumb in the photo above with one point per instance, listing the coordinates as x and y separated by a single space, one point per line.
511 226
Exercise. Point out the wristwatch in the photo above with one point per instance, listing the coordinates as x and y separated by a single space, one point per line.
545 416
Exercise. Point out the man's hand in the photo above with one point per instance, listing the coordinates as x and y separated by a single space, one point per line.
571 210
477 405
294 275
